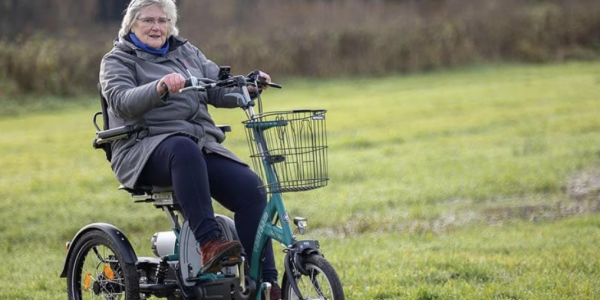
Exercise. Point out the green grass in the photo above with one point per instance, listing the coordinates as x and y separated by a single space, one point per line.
481 183
518 261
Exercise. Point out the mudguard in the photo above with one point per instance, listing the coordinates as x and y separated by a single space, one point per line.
117 236
308 247
227 227
294 260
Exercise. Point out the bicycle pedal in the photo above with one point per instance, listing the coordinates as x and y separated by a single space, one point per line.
229 261
193 279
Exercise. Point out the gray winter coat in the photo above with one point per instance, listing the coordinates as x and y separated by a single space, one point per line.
128 78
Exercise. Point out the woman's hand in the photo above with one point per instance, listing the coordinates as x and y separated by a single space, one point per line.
173 82
266 77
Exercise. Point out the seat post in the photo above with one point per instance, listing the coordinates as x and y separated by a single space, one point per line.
171 209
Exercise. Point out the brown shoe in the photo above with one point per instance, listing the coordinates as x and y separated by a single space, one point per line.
215 251
275 291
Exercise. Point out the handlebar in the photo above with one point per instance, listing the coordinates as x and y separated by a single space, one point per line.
244 99
206 84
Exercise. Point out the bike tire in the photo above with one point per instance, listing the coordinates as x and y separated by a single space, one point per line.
320 273
96 270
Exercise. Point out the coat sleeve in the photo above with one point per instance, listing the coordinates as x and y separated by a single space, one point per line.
211 70
120 88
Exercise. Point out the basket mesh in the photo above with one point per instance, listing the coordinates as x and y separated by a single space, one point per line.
295 145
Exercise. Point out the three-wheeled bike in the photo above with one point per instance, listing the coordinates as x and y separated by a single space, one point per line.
289 150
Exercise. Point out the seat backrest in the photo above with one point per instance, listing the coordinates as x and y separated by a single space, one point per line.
104 105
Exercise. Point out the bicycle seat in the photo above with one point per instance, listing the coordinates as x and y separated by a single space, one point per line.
161 196
146 190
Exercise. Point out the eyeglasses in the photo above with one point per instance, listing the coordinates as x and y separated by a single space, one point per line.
162 22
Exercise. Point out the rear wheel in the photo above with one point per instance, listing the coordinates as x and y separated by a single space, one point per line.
96 270
321 281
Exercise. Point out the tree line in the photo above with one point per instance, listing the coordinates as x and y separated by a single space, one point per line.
67 38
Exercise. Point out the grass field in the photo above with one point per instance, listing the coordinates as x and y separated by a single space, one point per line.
482 183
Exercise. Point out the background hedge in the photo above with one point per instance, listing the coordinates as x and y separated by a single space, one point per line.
57 48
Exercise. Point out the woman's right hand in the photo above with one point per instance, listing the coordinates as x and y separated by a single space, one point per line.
174 82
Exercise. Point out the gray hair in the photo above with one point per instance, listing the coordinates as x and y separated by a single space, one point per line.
134 8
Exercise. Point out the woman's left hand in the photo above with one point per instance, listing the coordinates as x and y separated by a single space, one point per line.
266 77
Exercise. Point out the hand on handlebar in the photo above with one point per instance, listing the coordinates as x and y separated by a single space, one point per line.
170 83
263 79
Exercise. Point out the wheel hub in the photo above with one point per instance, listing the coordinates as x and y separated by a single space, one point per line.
97 288
105 286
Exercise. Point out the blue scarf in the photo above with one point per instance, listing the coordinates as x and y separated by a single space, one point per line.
162 51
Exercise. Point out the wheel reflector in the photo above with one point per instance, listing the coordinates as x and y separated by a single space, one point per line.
108 272
86 281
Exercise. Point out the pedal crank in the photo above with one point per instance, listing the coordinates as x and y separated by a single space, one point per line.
267 290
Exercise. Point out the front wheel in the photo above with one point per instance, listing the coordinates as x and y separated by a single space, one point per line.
321 281
96 270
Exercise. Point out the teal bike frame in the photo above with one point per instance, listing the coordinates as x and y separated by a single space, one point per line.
266 228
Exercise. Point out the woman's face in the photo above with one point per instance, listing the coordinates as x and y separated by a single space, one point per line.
151 27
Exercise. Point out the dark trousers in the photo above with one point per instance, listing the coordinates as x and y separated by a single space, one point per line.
197 177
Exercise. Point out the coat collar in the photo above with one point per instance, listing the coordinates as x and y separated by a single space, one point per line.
175 42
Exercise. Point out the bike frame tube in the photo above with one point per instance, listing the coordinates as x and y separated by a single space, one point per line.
266 228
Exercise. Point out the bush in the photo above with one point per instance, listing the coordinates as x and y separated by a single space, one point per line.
50 65
328 38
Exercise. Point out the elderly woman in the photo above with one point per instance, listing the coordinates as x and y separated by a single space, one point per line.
180 144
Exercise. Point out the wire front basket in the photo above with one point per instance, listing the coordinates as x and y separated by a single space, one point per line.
293 144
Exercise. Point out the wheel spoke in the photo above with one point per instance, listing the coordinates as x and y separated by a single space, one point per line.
98 254
315 283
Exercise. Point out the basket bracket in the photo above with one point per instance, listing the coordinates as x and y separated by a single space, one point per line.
273 159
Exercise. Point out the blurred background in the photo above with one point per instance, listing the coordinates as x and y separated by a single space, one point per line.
64 40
